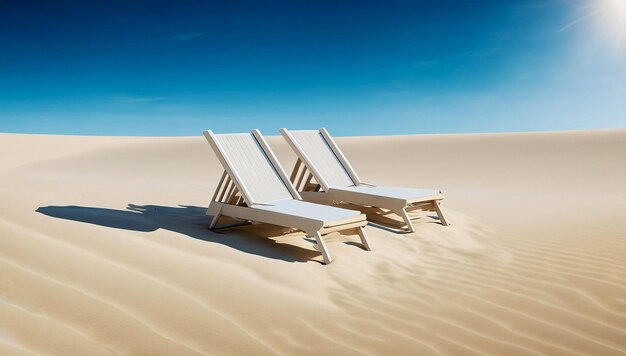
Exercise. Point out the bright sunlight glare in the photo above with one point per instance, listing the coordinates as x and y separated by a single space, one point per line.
613 16
608 18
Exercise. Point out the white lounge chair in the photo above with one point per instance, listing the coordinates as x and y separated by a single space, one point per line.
322 174
254 187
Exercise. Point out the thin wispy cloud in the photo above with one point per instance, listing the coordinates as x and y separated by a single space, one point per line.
499 35
482 53
138 99
396 93
579 20
188 36
538 5
424 64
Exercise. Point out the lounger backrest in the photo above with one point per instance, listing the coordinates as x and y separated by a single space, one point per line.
315 150
250 165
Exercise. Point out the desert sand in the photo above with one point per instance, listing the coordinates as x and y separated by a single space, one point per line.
104 249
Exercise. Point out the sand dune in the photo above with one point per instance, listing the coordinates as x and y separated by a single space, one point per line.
104 248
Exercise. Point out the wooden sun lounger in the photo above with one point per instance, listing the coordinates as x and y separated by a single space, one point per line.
322 174
254 187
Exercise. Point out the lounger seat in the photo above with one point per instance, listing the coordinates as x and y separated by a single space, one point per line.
322 174
402 196
327 215
254 187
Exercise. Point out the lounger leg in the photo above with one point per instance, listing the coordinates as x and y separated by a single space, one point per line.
216 217
214 221
440 213
364 240
322 247
407 220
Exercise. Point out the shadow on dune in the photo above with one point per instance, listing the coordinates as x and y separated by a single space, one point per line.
187 220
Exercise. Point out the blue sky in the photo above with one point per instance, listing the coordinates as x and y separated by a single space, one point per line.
357 68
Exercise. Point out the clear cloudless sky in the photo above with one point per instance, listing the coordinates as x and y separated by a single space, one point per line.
355 67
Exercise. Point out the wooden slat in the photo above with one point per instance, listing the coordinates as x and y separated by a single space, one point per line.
219 185
296 168
227 185
353 225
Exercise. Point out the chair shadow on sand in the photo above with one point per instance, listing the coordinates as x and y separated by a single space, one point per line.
191 221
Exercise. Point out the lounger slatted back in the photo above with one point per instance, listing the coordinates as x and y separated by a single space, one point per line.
258 179
319 157
254 187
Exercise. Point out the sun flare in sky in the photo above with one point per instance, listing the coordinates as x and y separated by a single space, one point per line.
613 15
608 17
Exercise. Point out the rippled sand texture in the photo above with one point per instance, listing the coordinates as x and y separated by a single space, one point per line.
104 248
